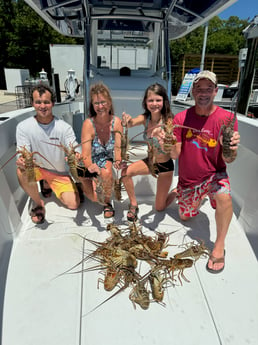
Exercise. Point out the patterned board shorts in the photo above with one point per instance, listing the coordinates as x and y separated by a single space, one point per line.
58 183
189 199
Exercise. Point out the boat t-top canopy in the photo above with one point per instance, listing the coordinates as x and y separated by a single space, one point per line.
70 17
129 25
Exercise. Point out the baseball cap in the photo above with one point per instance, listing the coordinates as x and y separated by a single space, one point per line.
206 75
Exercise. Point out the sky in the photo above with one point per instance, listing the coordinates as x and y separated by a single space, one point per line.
244 9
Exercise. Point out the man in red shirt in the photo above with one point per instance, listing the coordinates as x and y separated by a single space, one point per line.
202 156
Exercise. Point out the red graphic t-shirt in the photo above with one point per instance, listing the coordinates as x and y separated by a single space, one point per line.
201 154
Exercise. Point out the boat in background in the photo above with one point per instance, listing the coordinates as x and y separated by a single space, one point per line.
114 29
39 303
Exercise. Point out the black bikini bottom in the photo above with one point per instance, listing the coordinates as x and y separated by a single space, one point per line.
161 167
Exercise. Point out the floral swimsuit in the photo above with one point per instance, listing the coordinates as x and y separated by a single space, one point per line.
101 153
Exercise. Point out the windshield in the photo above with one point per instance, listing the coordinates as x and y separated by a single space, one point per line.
119 48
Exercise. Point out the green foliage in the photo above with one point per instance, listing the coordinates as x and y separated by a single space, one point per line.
6 14
224 37
25 39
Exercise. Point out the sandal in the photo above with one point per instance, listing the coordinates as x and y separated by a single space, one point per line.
216 261
46 192
38 212
108 208
134 211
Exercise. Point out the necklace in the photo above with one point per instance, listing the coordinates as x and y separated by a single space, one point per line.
101 127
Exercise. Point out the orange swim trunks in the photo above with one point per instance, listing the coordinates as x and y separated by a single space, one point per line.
58 183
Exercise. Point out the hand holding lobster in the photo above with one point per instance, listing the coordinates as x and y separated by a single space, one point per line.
22 162
94 168
126 120
26 163
122 156
165 138
229 149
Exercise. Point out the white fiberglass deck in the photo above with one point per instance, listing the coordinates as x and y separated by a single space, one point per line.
44 307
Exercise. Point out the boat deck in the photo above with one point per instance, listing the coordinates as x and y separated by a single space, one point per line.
46 306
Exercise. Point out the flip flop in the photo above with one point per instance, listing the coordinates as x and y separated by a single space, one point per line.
216 261
38 212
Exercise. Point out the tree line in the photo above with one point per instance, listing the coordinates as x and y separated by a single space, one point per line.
25 39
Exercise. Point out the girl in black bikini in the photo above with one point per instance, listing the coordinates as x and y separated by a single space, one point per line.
157 111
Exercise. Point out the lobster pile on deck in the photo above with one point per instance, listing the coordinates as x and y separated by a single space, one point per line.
119 258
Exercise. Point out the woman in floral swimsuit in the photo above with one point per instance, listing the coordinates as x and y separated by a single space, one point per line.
101 142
